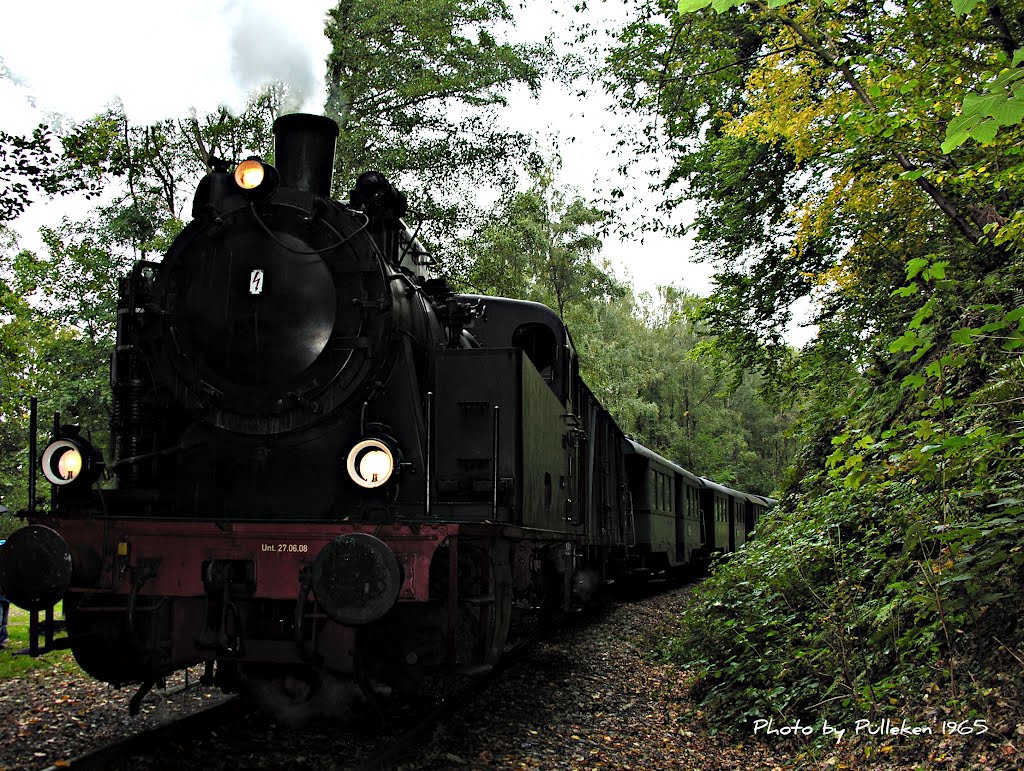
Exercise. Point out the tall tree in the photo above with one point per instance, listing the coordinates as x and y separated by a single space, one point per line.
541 245
415 86
812 133
154 169
673 388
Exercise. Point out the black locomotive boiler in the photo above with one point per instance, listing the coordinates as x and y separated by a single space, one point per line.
329 467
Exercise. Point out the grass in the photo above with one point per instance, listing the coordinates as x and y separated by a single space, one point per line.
13 664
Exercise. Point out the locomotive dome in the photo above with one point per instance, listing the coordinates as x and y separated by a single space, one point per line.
271 304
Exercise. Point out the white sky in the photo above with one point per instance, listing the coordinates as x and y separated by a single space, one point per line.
74 57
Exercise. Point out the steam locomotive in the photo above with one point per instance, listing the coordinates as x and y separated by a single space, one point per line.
329 466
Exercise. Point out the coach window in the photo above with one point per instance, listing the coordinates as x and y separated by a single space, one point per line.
538 343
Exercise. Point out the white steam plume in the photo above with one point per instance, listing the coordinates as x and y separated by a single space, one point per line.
161 59
265 50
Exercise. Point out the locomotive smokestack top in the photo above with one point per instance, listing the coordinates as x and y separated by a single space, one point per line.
304 151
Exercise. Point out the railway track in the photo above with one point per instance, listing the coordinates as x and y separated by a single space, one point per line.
415 737
429 730
233 728
116 754
381 734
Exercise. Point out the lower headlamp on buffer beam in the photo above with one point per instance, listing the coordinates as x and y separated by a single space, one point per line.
372 462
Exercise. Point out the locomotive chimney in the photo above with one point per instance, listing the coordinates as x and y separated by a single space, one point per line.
304 151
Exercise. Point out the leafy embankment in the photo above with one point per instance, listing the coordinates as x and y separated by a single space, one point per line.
888 583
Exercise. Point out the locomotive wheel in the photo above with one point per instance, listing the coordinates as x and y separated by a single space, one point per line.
296 695
484 605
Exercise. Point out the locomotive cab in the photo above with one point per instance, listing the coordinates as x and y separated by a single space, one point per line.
538 332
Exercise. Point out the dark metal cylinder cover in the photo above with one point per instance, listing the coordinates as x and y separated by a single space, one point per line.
35 567
356 578
304 152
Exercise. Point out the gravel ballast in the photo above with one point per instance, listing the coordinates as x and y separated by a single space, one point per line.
589 697
586 698
49 717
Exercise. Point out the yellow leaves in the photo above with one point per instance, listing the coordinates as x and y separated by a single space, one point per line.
784 101
838 275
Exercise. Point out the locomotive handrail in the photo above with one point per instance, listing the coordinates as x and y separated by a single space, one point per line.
158 453
632 518
494 464
343 239
412 242
430 439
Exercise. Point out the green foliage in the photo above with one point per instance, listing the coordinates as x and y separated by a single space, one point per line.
159 166
415 87
540 245
894 567
1000 105
673 388
812 134
32 163
58 346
